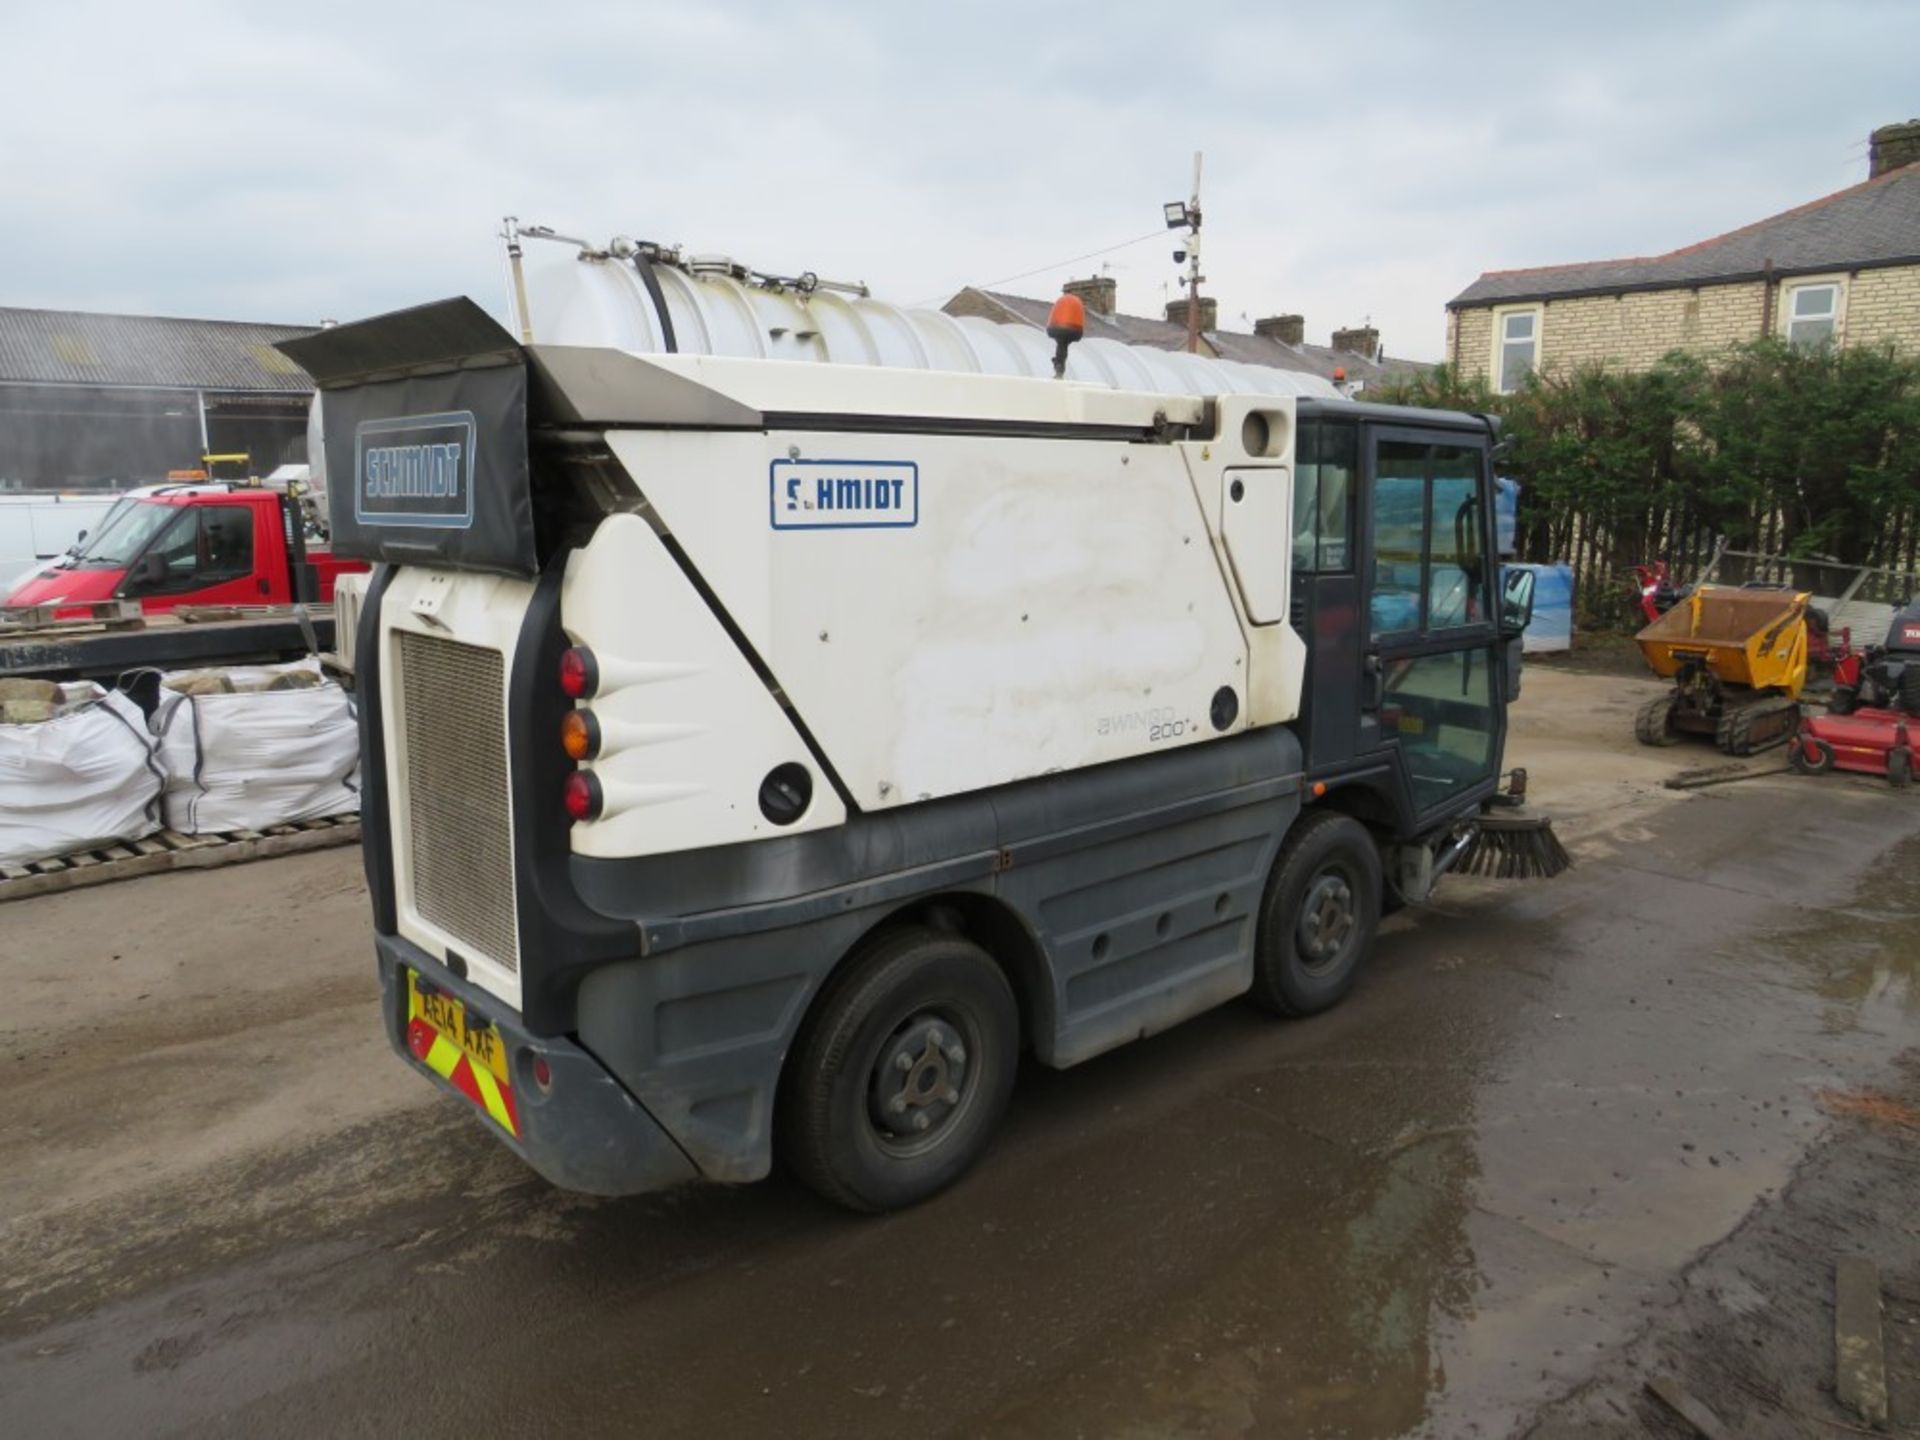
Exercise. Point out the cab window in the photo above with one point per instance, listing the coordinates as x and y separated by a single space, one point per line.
202 545
1429 572
1324 464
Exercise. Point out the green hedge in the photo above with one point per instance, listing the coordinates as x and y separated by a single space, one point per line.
1811 453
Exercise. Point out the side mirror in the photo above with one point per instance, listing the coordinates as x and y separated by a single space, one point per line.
150 571
1516 599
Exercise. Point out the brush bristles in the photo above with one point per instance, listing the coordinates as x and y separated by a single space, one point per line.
1511 847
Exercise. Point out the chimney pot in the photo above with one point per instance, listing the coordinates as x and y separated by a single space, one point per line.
1209 313
1892 147
1097 292
1364 340
1287 329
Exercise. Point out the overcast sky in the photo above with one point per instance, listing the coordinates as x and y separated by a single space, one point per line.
294 162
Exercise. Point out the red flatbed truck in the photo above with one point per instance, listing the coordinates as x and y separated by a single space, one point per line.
200 543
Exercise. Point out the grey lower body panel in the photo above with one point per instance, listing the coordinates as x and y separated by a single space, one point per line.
584 1131
1133 890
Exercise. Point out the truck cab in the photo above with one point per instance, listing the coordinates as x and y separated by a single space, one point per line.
192 544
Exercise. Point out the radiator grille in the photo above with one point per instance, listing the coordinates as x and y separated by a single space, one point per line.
451 709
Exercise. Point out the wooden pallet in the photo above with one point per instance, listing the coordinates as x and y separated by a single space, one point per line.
41 621
170 850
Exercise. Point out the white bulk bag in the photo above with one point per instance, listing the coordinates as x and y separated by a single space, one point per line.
86 777
253 757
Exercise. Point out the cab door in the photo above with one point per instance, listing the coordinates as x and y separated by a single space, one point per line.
203 556
1431 675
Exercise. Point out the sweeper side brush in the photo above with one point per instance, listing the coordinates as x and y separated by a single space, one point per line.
1514 847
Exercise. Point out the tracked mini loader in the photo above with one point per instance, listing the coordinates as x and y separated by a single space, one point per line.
1738 661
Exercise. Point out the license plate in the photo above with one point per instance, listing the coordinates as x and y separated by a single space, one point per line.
470 1057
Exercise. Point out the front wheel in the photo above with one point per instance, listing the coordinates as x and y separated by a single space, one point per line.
1810 755
1318 919
903 1072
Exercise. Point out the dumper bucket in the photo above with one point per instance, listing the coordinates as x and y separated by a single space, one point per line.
1755 638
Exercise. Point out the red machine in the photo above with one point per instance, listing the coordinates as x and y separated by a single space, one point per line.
1656 592
1870 723
192 544
1870 742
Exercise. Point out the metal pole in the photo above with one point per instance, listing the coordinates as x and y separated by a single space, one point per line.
1193 263
523 321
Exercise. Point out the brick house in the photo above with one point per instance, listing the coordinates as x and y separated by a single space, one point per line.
1279 341
1845 270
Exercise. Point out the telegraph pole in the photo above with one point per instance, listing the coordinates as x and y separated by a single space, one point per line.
1193 262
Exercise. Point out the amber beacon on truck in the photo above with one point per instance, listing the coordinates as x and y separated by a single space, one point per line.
781 711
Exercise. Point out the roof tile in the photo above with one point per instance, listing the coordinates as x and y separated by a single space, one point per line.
1874 222
71 347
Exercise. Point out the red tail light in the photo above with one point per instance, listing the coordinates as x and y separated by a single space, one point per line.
582 795
579 673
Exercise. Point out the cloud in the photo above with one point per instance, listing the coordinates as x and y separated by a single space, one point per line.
294 163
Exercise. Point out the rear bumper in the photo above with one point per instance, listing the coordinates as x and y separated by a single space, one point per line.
584 1132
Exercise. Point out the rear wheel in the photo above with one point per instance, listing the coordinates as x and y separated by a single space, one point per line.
903 1072
1653 724
1910 687
1844 700
1318 919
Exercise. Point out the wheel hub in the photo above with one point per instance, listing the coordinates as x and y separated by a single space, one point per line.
1326 919
919 1079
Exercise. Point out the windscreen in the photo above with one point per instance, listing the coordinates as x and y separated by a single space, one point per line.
124 534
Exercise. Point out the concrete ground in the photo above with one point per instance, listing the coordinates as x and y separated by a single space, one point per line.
1562 1136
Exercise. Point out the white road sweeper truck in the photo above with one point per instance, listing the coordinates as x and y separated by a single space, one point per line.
781 710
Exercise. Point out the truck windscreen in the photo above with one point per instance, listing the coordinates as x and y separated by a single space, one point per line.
124 534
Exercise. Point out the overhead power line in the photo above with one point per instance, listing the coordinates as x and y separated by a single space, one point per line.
1058 264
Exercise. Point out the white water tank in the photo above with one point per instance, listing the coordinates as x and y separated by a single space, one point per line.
597 299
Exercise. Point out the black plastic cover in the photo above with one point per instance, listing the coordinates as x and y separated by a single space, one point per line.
423 418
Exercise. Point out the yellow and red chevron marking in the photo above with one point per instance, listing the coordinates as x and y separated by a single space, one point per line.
456 1067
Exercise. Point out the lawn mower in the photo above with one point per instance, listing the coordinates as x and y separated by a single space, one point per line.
1872 724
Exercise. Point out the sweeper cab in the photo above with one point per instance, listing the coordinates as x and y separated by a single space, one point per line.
761 751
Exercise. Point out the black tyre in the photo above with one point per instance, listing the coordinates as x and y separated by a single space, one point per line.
1899 769
1318 919
1653 723
1909 688
1844 700
902 1073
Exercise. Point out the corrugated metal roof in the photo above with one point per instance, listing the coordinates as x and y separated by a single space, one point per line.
1874 223
74 347
1227 344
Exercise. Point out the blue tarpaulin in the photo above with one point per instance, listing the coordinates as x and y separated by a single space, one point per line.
1552 624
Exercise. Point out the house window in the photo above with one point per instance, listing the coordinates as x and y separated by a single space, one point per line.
1519 347
1813 311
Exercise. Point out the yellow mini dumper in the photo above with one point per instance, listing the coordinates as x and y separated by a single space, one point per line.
1738 661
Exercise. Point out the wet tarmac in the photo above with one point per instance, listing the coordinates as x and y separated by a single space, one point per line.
1434 1211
